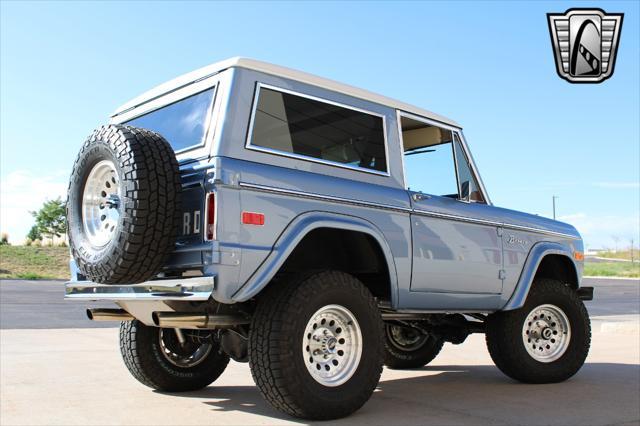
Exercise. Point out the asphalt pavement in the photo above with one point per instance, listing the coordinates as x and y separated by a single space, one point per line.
40 304
56 370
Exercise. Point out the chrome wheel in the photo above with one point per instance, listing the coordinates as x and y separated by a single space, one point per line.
406 338
546 333
332 345
182 354
101 203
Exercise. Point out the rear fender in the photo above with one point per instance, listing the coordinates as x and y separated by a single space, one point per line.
295 232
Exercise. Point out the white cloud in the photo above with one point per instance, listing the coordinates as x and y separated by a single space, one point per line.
600 231
23 191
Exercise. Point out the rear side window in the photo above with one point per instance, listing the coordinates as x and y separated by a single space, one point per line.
183 123
318 130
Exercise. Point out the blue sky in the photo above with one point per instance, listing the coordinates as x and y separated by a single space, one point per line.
66 66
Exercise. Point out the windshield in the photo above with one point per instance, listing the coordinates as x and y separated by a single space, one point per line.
183 124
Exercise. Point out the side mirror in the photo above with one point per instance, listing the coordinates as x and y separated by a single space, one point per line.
465 195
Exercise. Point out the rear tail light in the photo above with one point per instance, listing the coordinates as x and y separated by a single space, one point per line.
210 217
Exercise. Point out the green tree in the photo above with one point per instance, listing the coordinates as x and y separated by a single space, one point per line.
51 219
34 233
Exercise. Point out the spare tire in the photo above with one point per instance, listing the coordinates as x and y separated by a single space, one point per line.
123 205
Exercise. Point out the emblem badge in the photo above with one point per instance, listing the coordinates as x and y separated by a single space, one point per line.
585 43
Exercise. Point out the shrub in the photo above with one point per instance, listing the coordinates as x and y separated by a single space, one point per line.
4 239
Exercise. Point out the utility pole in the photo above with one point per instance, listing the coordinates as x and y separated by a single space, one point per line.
554 206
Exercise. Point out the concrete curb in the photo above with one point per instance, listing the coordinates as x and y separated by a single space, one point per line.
611 278
616 324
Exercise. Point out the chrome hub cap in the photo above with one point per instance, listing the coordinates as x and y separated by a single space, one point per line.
332 345
185 355
101 203
546 333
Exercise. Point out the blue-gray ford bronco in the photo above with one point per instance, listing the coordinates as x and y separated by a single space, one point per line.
315 230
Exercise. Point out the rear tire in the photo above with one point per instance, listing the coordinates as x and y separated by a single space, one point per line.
157 361
408 348
124 205
545 341
316 345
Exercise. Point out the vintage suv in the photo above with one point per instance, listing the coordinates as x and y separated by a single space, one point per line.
251 212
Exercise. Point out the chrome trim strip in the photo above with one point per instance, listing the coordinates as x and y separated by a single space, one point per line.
190 289
352 201
258 148
493 223
457 218
539 231
324 197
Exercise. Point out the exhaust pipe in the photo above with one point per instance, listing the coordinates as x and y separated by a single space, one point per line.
101 314
197 321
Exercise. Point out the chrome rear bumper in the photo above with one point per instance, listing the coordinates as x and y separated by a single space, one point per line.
188 289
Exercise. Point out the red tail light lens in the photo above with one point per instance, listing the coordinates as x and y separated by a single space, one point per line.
210 212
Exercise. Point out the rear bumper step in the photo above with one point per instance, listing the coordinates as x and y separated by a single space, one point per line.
188 289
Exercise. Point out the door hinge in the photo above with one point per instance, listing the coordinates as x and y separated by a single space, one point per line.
502 274
499 230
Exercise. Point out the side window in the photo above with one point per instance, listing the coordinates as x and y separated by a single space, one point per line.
469 188
314 129
435 162
183 123
429 160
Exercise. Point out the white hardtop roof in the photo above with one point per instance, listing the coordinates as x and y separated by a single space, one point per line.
279 71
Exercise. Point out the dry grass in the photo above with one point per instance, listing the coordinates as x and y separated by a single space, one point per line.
621 254
612 269
29 262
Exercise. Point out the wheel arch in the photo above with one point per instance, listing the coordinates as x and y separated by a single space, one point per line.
548 260
301 228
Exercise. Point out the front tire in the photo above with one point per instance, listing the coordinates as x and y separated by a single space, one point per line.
545 341
316 345
156 359
408 348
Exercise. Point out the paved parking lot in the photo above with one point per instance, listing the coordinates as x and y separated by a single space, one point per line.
75 376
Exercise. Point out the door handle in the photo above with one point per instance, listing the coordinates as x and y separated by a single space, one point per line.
419 196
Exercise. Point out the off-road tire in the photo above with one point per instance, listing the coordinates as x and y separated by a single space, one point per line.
275 345
141 352
149 179
506 346
400 359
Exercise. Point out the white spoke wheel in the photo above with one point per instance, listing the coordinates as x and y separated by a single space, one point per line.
545 341
156 357
101 203
408 347
546 333
123 205
332 345
316 345
405 338
185 355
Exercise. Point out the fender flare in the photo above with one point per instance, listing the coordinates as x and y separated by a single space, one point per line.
296 231
536 254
